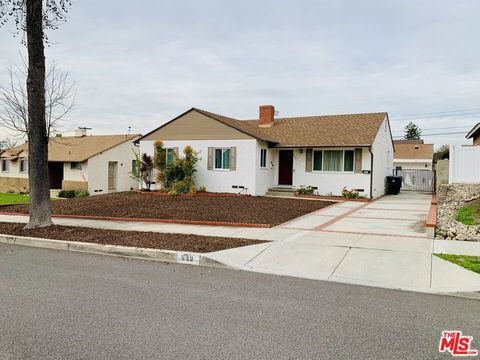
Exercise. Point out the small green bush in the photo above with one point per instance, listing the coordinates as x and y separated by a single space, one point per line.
306 190
202 189
67 194
81 193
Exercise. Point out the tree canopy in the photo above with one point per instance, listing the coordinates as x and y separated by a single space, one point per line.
412 132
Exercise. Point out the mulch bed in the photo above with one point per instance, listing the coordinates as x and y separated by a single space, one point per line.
164 241
236 209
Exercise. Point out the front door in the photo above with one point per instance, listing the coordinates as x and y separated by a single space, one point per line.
285 168
112 176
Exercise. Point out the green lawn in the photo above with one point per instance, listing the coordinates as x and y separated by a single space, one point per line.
470 213
468 262
7 198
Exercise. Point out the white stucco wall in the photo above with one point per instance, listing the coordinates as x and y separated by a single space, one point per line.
328 182
382 149
265 176
75 174
97 166
413 164
14 170
218 180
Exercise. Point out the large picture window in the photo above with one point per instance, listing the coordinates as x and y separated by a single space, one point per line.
333 160
222 158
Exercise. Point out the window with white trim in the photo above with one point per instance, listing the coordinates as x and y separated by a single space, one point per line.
23 166
333 160
222 158
5 165
263 158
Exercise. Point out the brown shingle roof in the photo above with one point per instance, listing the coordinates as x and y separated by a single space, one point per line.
327 130
475 130
403 141
413 151
78 149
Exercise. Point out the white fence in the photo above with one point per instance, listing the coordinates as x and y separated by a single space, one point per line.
464 164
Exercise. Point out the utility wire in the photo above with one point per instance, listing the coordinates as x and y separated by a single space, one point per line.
437 134
439 112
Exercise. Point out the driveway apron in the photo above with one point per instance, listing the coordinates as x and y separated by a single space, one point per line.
379 243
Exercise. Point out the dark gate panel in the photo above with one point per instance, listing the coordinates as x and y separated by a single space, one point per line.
419 180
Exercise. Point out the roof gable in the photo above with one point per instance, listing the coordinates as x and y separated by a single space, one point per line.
196 124
76 149
475 131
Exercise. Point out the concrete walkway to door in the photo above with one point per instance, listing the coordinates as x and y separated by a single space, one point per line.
381 243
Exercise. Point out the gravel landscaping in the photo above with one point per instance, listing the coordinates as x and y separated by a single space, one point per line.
448 226
177 242
237 209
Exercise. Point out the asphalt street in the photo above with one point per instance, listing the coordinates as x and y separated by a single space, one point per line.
63 305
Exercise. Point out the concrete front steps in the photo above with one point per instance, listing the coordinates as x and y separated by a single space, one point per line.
282 191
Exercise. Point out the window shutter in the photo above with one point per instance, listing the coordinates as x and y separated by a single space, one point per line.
233 158
308 160
358 160
210 159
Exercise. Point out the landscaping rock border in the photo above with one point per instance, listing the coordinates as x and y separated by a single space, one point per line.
449 228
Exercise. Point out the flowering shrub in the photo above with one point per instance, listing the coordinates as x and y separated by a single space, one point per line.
350 194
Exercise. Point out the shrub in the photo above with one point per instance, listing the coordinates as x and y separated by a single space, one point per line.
305 190
350 194
202 189
67 194
81 193
178 175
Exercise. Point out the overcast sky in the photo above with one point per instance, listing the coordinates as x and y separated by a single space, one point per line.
141 65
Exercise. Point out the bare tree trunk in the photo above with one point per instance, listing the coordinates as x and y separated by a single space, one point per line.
40 212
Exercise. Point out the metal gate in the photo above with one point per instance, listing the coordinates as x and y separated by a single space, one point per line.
419 180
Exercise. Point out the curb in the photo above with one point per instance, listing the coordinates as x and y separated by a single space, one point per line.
170 256
150 220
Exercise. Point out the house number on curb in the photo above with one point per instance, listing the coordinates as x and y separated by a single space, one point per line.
188 258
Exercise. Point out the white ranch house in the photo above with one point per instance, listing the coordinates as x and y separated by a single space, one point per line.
254 156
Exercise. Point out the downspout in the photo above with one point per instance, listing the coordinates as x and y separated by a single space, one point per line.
371 171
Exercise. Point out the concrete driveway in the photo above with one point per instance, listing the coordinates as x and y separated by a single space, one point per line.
380 243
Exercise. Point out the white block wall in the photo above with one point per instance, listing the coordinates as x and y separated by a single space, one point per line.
464 164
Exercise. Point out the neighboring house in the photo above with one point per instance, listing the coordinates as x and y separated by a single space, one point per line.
96 163
474 134
251 156
412 155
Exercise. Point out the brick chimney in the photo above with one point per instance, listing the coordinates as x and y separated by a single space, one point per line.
267 113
